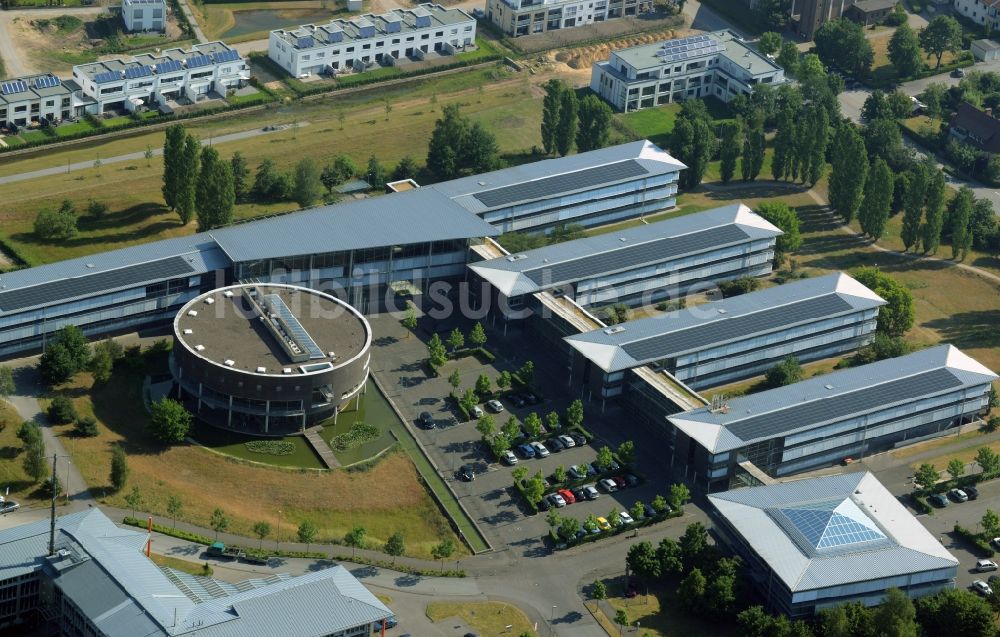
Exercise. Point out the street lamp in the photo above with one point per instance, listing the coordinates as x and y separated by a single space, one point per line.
552 620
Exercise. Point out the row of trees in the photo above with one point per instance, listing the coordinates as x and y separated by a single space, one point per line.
197 181
458 146
567 120
501 440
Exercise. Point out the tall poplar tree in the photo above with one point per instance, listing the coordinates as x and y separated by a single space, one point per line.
961 214
173 148
754 145
187 178
913 206
215 194
566 131
731 143
874 211
930 231
849 171
550 114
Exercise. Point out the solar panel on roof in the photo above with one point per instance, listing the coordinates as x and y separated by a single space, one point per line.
46 81
168 66
226 56
304 43
196 61
775 423
13 87
107 76
88 284
298 332
134 72
561 183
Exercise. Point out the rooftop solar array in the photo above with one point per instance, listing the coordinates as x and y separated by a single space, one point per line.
226 56
305 42
196 61
135 72
13 87
63 289
47 81
566 182
299 333
107 76
768 425
168 66
722 329
627 256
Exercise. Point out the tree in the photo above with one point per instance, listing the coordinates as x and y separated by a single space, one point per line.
61 410
219 522
788 58
594 124
405 169
989 460
955 612
913 205
395 546
659 504
436 351
755 622
307 186
961 213
730 145
769 43
843 42
97 209
409 320
693 142
101 364
355 538
784 373
134 501
638 510
849 173
693 544
818 131
956 468
447 140
904 51
169 421
187 179
504 380
621 618
943 34
552 421
261 530
598 590
34 462
455 380
7 387
574 414
896 617
626 452
527 372
550 113
991 523
56 224
604 458
930 231
215 194
874 211
119 468
86 427
307 533
883 139
784 144
926 476
896 317
773 14
642 561
568 122
444 549
691 592
534 488
456 340
478 335
173 149
29 433
241 176
679 494
374 174
269 184
778 213
533 425
754 144
486 426
483 387
342 169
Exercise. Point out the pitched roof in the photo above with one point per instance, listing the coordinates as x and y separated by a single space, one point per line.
831 531
982 130
634 343
867 6
832 397
604 254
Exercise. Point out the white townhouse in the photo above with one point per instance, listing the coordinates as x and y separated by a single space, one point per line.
524 17
144 15
30 99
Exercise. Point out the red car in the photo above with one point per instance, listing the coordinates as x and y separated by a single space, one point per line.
567 495
620 481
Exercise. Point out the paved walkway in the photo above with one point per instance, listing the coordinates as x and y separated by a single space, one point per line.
199 35
138 156
321 448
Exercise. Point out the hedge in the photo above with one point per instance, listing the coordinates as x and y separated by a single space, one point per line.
561 543
976 539
484 355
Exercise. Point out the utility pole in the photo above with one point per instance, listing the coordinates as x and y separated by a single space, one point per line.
52 514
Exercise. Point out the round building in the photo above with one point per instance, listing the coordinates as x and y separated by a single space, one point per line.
268 359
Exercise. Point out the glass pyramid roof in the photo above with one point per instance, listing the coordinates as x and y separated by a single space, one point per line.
832 523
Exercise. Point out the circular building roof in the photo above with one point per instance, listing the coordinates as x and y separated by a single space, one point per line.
272 329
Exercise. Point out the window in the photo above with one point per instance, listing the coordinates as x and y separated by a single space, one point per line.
137 14
395 40
409 39
439 34
350 49
425 36
365 47
157 13
50 103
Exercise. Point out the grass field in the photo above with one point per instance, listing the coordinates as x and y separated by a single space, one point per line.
12 474
384 499
233 444
488 618
882 68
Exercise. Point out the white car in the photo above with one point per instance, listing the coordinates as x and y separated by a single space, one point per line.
625 518
591 492
983 566
982 588
567 440
540 450
557 500
508 457
495 406
6 506
608 485
477 412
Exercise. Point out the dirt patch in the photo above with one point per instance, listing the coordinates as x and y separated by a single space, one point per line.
598 32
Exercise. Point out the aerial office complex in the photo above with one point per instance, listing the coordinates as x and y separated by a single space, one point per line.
811 544
717 64
97 581
641 264
363 41
268 359
144 15
524 17
823 420
34 98
152 80
739 337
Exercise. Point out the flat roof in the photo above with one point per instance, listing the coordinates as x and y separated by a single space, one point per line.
672 334
564 175
697 47
831 531
228 329
31 87
833 397
118 65
611 252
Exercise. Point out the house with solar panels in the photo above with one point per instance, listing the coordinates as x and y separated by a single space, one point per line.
723 341
152 80
360 43
144 15
95 579
717 64
820 421
813 544
31 99
525 17
639 265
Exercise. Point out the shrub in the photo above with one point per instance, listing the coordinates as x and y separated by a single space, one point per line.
61 411
86 427
272 447
359 434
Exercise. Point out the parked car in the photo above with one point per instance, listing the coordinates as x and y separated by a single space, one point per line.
7 506
603 524
494 405
543 504
557 500
982 588
939 500
567 441
477 412
516 400
626 518
971 491
465 473
530 398
958 495
526 450
567 495
555 445
390 622
540 450
608 485
958 73
579 494
631 480
578 438
620 482
590 492
508 458
577 471
996 542
426 420
648 510
983 566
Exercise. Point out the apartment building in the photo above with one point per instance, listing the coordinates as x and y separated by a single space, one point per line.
717 64
34 98
362 42
525 17
144 15
984 12
153 79
822 420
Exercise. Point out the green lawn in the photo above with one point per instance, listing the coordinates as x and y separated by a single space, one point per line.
653 124
73 128
232 444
